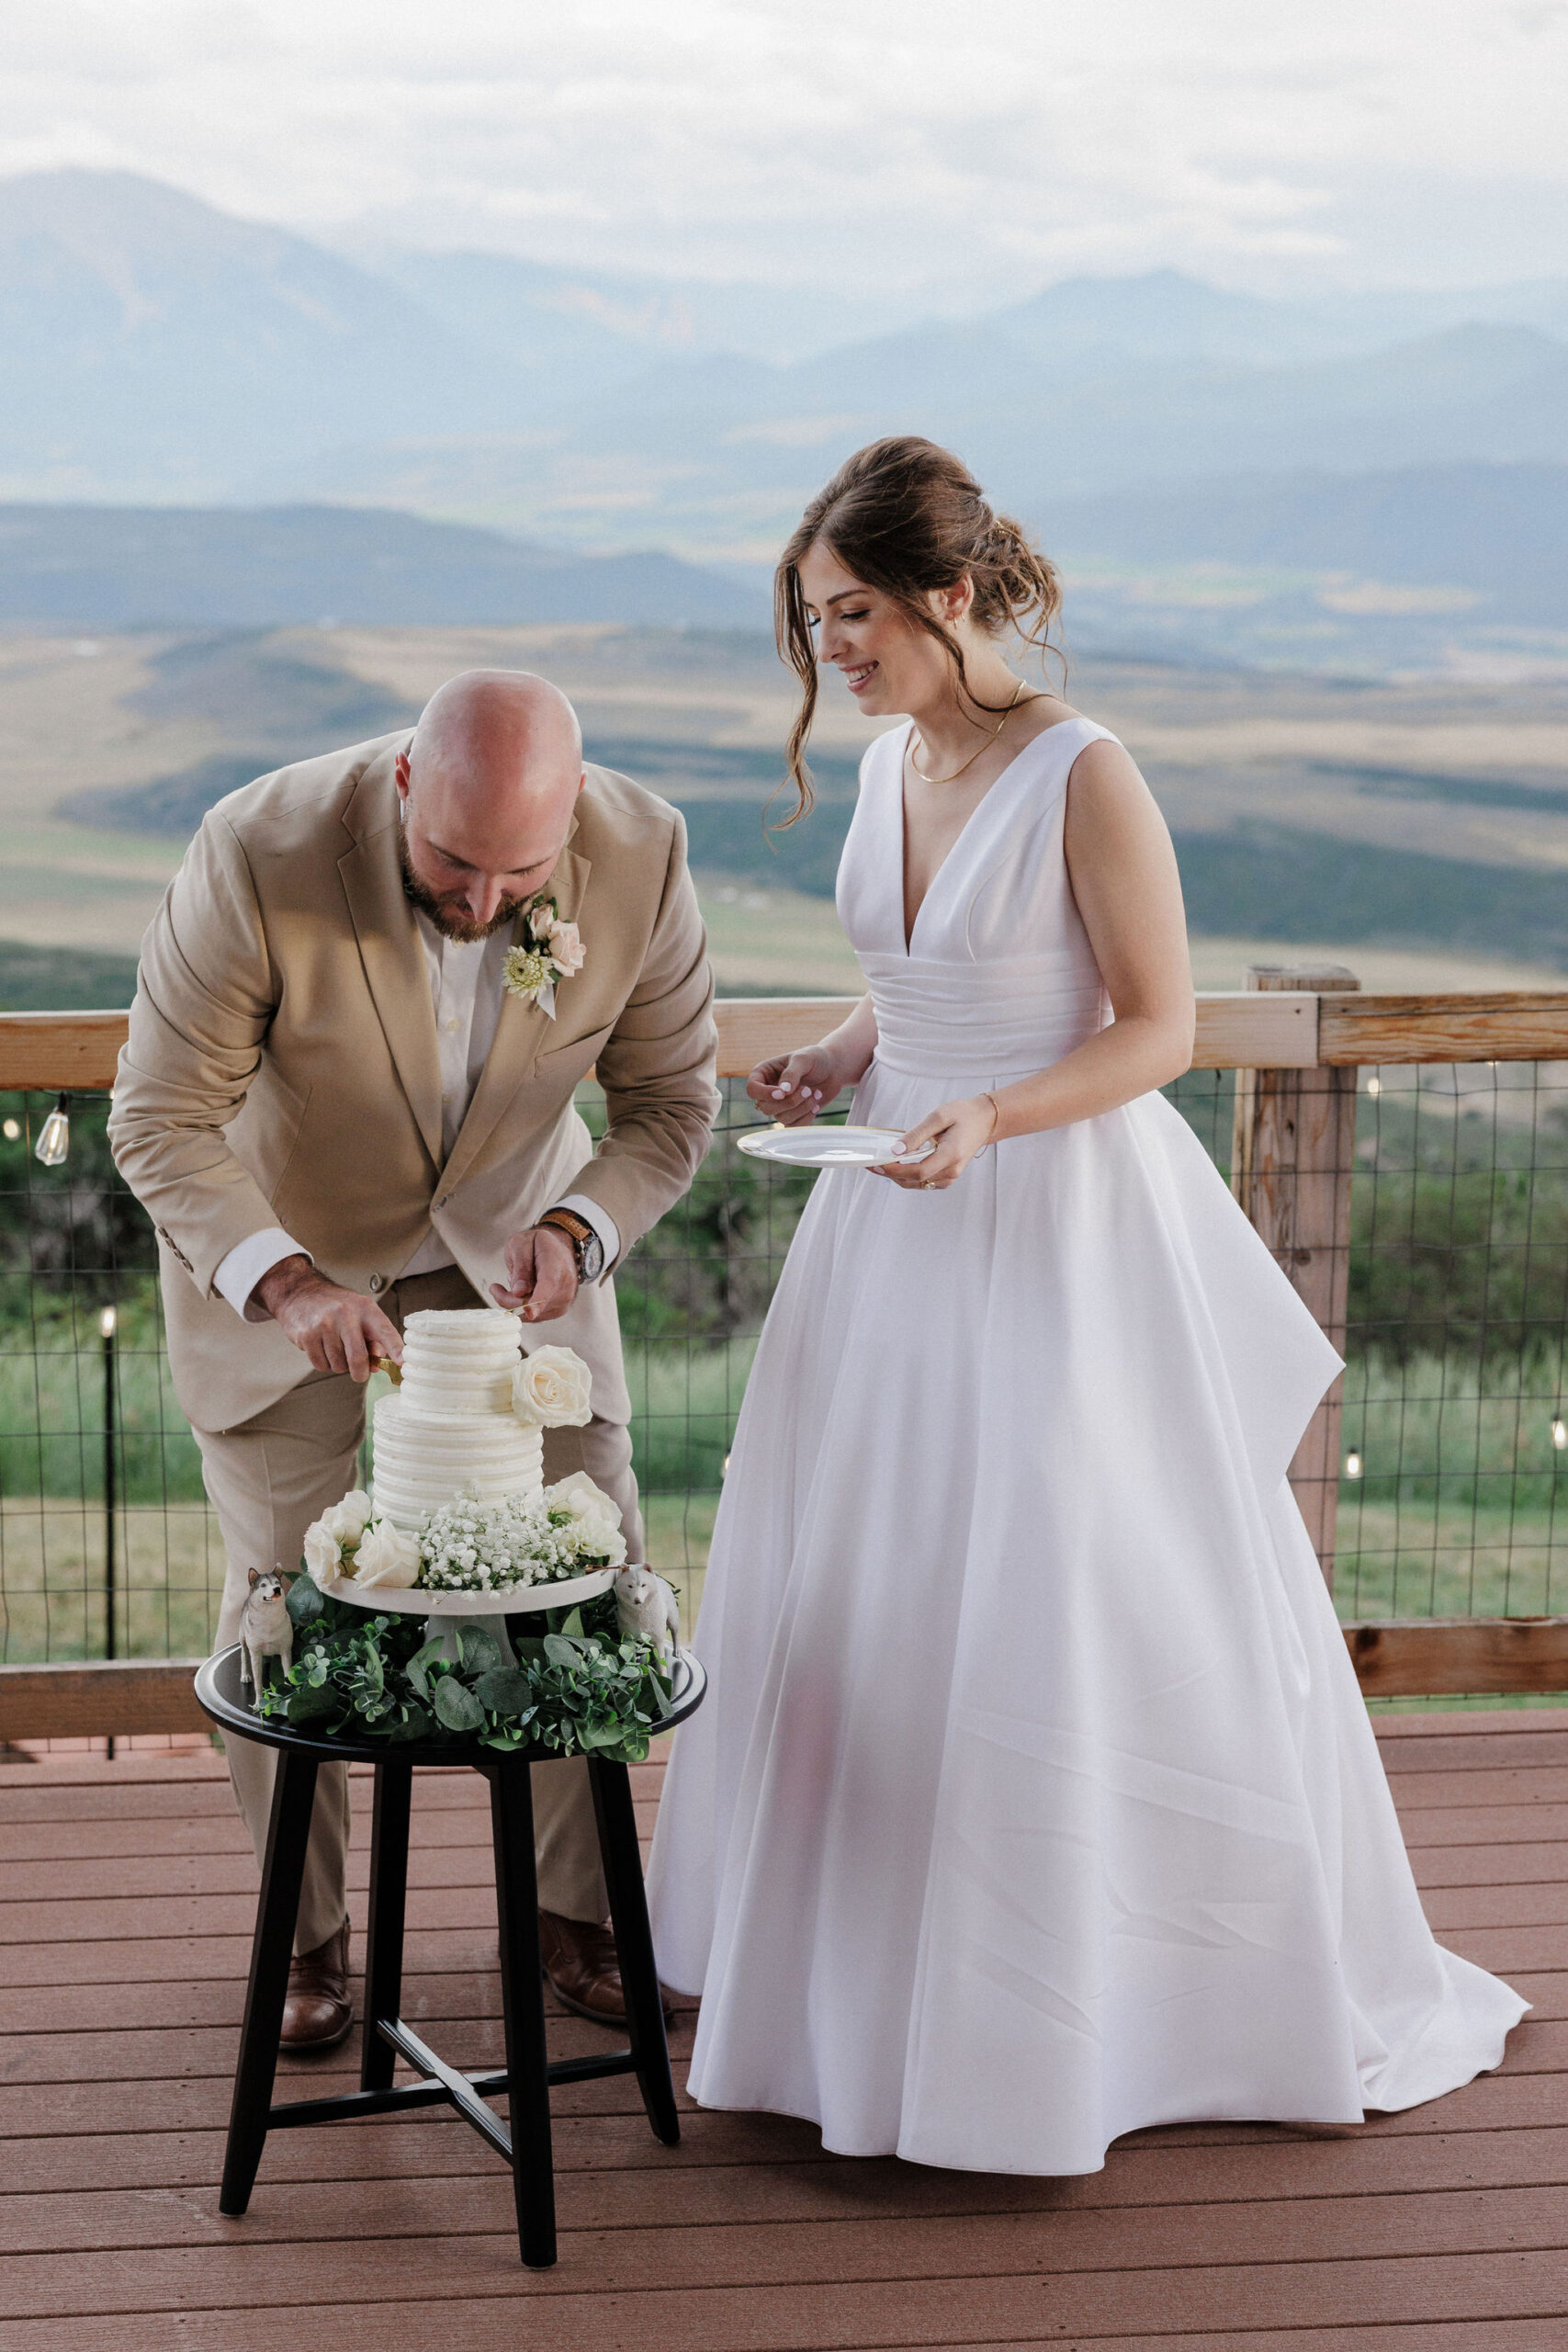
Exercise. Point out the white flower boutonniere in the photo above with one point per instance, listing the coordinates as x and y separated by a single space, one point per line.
556 953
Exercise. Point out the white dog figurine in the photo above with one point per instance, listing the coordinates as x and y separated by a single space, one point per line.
266 1630
647 1610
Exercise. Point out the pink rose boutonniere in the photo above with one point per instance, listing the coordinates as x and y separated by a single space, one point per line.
554 953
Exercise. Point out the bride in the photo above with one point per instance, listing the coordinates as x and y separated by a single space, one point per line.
1034 1801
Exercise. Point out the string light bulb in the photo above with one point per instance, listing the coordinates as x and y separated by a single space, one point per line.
54 1136
1560 1435
107 1322
11 1130
1352 1464
1374 1084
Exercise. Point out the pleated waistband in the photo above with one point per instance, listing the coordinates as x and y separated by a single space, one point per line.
984 1020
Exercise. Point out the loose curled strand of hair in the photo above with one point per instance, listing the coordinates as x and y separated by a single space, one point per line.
906 517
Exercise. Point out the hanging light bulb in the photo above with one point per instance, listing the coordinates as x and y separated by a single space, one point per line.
11 1130
1374 1085
1352 1466
54 1136
1560 1435
107 1322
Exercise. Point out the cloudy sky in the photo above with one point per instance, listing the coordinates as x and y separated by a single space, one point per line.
967 147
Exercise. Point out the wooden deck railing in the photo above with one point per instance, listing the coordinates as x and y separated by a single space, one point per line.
1296 1036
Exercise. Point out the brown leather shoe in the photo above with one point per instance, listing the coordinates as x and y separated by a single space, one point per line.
318 2012
583 1972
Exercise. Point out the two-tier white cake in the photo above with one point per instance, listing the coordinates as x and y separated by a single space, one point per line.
451 1427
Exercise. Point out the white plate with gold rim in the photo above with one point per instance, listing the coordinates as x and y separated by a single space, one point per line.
832 1147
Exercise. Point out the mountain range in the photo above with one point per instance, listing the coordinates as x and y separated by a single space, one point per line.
157 352
161 567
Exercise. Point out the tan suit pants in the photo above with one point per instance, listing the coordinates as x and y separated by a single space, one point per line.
267 1479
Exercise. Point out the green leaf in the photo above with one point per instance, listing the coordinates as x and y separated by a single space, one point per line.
563 1650
413 1724
305 1603
310 1704
505 1690
423 1658
479 1647
597 1735
456 1705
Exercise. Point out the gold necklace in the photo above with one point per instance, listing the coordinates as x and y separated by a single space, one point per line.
969 763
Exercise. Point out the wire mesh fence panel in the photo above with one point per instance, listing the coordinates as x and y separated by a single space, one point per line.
1454 1438
1453 1435
107 1545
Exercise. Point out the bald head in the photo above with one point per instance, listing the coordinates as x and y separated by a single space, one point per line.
488 786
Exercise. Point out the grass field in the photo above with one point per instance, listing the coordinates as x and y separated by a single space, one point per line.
1425 815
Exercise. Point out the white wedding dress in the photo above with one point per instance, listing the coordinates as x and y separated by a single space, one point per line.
1034 1800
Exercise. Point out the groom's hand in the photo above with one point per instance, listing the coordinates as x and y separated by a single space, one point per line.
338 1329
541 1275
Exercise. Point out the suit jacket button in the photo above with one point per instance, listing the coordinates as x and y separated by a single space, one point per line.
377 1280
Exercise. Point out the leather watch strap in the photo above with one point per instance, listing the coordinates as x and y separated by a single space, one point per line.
577 1229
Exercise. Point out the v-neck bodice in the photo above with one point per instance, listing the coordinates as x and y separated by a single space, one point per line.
998 974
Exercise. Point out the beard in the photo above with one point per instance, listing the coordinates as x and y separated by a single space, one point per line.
460 927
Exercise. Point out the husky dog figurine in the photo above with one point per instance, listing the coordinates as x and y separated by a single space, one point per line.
647 1610
266 1630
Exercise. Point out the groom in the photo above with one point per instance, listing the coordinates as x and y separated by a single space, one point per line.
335 1115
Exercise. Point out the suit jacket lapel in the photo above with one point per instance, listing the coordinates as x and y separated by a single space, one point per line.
521 1033
389 945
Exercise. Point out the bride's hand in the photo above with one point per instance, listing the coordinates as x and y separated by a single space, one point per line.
793 1088
958 1130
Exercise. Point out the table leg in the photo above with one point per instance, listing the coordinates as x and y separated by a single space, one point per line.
522 2007
634 1944
288 1832
384 1938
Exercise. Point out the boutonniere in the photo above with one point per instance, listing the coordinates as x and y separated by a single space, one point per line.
554 951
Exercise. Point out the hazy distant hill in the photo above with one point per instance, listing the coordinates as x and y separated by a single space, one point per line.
155 347
1501 531
572 328
114 567
722 453
152 346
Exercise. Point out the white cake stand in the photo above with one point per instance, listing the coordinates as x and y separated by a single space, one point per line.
445 1613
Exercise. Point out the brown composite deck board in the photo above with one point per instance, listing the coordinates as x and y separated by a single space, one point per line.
1510 1784
473 2195
968 2309
200 2054
127 1895
788 2249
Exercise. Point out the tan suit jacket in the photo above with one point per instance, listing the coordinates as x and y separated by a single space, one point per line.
282 1066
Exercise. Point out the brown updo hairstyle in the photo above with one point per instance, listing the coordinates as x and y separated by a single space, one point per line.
906 517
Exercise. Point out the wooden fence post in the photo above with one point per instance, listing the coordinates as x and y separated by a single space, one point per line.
1290 1165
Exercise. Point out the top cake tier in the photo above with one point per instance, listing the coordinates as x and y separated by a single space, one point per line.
459 1361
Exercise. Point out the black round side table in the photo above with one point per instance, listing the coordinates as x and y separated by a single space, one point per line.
529 2072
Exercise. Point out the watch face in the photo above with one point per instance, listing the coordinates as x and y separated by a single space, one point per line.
592 1259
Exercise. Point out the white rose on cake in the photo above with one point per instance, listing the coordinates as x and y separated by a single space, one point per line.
387 1556
550 1390
595 1519
348 1520
324 1553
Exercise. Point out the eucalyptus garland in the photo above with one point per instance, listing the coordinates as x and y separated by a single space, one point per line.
578 1689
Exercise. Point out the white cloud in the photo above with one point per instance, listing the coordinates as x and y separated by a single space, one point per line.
887 144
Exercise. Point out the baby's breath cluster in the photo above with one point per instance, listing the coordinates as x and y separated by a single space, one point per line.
473 1547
